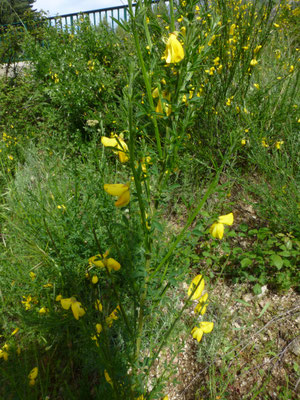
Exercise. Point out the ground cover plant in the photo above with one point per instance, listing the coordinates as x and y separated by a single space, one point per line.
144 173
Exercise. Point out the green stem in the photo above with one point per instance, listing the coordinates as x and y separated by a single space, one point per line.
114 289
191 218
172 15
146 79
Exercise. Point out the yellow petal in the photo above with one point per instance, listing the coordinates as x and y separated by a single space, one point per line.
109 142
124 199
198 282
99 328
107 378
95 279
33 373
217 230
77 310
174 50
206 327
113 264
66 303
155 93
123 157
97 261
197 333
226 219
116 189
98 305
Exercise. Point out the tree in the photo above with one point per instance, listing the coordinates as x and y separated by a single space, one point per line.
13 10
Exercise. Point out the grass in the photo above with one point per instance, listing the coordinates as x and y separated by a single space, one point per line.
96 297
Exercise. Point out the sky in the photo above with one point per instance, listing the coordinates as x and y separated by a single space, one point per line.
59 7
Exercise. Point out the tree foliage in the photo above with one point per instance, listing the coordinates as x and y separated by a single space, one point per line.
13 10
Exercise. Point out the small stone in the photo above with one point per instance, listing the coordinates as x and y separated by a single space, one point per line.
295 347
264 290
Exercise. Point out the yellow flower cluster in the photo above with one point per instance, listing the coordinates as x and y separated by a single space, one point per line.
195 292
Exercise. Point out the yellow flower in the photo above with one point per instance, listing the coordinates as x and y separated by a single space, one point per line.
278 144
32 275
197 282
174 52
204 327
202 305
217 228
75 305
165 107
26 302
232 29
253 62
264 143
113 316
43 310
95 279
117 143
33 375
256 85
4 355
99 328
98 305
243 142
121 190
226 219
15 331
107 378
102 261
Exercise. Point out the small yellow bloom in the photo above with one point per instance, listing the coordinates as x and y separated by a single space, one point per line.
75 305
95 279
43 310
162 107
243 142
226 219
232 29
32 275
264 143
256 85
102 261
107 378
4 355
202 305
278 144
204 327
174 52
253 62
217 228
33 374
98 305
99 328
117 143
113 316
121 190
198 282
15 331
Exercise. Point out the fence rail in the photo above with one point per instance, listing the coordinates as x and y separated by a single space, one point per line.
120 13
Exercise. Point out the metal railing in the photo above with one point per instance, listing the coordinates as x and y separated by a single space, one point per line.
96 16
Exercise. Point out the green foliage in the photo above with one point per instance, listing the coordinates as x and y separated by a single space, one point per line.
218 118
14 10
